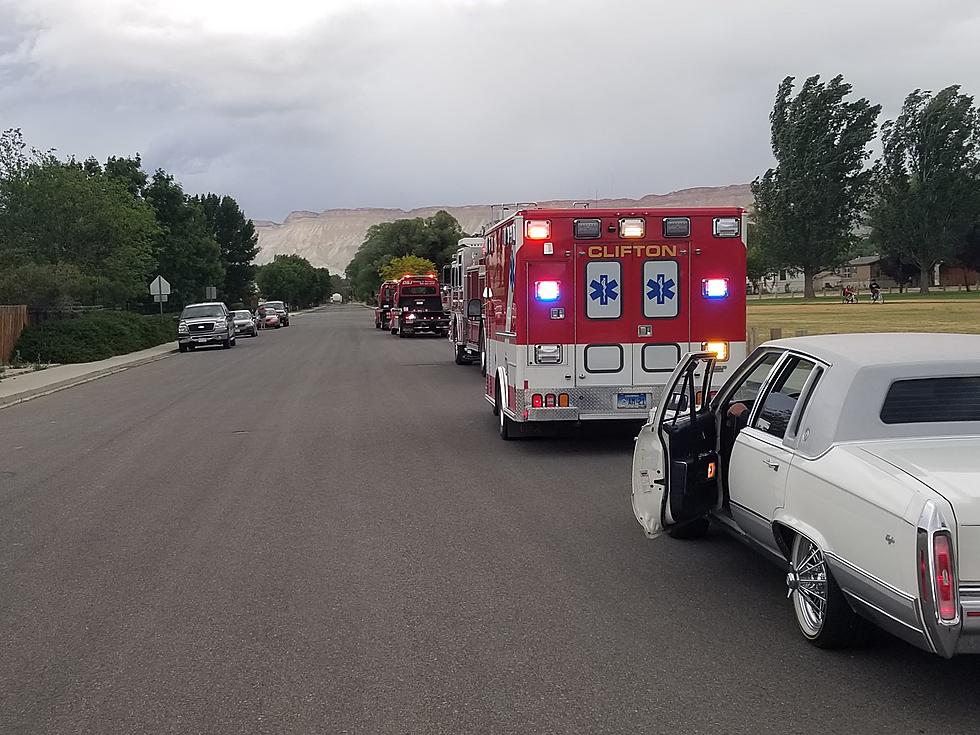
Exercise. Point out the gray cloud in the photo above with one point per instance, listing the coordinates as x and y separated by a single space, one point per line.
301 105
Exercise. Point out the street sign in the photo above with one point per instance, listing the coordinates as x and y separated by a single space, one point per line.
160 297
159 287
210 292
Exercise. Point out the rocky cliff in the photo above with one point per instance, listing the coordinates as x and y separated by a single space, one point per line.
332 237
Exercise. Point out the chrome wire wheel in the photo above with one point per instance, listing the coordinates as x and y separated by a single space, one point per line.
809 585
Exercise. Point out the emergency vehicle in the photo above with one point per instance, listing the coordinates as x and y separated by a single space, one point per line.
588 311
386 297
417 307
466 276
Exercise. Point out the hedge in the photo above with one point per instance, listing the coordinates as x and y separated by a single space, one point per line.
95 335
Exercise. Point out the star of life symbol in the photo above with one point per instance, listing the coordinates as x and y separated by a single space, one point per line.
604 290
661 289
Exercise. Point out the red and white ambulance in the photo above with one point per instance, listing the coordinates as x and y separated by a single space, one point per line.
587 311
465 278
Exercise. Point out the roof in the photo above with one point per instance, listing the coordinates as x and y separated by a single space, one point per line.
584 212
886 348
864 260
862 369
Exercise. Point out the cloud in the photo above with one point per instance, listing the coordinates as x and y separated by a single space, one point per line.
310 105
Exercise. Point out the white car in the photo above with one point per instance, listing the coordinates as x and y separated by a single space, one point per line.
853 460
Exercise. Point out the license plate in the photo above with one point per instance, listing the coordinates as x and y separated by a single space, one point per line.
631 400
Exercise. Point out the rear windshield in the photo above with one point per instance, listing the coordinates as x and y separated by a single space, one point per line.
273 305
419 291
421 303
195 312
926 400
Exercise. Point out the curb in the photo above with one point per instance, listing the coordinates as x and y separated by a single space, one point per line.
47 390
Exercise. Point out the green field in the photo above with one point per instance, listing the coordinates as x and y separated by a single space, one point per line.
959 312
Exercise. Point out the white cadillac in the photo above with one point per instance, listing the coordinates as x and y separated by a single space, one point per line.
852 459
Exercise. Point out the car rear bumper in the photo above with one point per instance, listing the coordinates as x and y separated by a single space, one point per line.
595 403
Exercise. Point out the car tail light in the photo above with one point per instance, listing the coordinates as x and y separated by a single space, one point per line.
563 400
942 556
549 400
536 401
632 228
537 229
714 288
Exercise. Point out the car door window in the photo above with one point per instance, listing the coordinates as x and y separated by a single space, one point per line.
748 390
780 401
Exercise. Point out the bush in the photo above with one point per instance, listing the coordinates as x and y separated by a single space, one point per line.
96 335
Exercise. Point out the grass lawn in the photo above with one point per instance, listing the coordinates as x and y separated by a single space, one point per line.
911 314
863 297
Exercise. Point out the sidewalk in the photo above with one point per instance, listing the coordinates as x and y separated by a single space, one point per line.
25 386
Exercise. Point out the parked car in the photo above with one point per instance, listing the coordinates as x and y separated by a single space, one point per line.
205 324
853 460
271 319
281 310
245 323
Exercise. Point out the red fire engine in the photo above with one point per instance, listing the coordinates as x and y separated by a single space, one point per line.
386 297
465 276
587 312
417 307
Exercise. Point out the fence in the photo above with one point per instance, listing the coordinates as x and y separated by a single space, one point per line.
13 319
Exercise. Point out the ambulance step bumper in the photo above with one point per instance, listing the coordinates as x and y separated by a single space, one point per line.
599 403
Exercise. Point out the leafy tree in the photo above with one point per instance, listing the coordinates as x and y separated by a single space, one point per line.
407 265
926 194
434 238
291 278
238 242
808 206
128 171
900 270
74 232
186 251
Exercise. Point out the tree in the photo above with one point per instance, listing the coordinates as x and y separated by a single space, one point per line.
434 238
71 230
926 181
807 208
238 242
291 278
129 172
407 265
187 253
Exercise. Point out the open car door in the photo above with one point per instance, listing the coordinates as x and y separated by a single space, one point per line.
675 463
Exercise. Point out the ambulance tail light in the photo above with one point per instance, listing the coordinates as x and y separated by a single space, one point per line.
726 226
714 288
547 291
719 348
537 401
537 229
547 354
632 228
563 400
942 555
549 400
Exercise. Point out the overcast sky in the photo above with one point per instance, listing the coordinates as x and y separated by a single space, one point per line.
290 104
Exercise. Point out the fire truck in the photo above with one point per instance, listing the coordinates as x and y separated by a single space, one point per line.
417 307
466 276
386 297
587 311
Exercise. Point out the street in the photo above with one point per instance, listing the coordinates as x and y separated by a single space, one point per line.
320 531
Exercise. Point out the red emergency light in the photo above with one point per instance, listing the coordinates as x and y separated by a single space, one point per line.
714 288
547 291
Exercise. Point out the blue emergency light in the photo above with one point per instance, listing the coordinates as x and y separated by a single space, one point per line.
714 288
547 291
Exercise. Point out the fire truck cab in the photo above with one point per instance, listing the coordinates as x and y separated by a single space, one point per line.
587 312
466 280
417 307
386 297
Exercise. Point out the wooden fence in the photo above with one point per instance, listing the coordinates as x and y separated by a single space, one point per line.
13 319
756 336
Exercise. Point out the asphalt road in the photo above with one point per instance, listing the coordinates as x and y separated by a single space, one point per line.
320 532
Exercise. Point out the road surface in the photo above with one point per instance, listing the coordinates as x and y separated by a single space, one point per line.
320 532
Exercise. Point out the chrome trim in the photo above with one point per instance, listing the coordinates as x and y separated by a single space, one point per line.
506 334
942 634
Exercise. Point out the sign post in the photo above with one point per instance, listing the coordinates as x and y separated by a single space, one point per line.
160 290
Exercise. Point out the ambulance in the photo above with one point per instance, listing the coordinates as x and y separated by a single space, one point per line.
386 297
586 312
465 278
